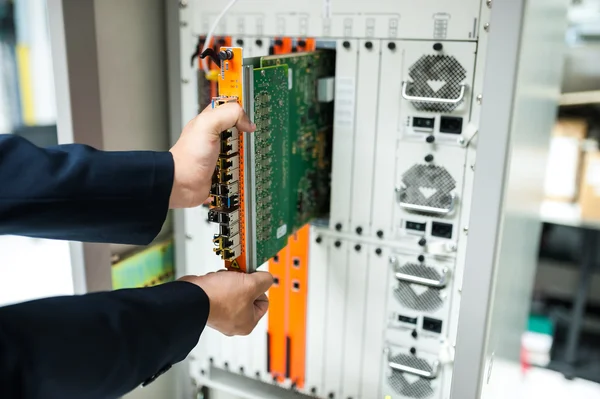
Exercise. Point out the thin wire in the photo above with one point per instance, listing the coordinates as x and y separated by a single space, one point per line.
211 32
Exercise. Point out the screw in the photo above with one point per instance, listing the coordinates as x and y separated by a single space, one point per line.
380 233
275 258
337 244
368 45
430 139
359 230
257 374
226 365
393 260
319 240
378 251
422 242
302 43
240 42
331 395
346 44
313 390
296 262
357 247
429 158
489 3
241 370
461 141
185 81
486 27
262 73
413 351
202 372
414 334
211 360
466 229
392 46
183 3
259 42
278 42
421 258
183 24
438 47
479 99
188 237
338 226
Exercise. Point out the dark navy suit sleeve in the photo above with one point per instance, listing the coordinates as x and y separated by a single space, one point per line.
74 192
95 346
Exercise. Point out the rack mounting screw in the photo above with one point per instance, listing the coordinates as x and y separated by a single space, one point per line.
479 99
461 141
183 3
486 27
368 45
346 44
489 3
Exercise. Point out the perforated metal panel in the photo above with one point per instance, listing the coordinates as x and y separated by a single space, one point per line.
420 388
427 185
427 301
436 76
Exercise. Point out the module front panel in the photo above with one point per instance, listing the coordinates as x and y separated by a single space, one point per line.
390 19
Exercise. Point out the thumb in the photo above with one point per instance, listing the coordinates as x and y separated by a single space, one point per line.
260 283
229 115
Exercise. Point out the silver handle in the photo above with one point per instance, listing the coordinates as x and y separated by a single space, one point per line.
430 375
456 100
426 209
441 283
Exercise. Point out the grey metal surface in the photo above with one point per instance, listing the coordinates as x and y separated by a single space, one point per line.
521 86
79 120
250 172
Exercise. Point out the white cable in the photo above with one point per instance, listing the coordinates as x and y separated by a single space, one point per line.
211 32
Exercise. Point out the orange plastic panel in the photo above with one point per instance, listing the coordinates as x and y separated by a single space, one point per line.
298 291
230 85
277 316
310 44
285 47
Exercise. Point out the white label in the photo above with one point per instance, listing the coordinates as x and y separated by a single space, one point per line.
561 170
345 93
327 9
593 173
290 78
281 231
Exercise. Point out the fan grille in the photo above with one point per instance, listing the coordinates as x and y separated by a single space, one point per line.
436 68
427 301
428 185
420 388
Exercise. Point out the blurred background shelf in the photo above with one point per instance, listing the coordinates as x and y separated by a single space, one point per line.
566 214
580 98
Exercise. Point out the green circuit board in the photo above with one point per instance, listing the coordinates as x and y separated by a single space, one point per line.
271 160
292 161
310 133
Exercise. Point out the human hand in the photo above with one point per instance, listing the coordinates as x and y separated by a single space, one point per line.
195 153
237 300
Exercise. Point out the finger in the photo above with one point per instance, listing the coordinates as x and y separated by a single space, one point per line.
261 306
260 282
229 115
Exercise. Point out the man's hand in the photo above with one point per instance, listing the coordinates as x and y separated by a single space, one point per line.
195 153
237 300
